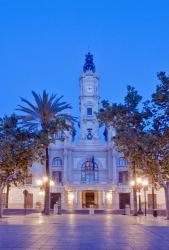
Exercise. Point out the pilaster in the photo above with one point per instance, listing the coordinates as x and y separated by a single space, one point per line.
69 165
65 174
110 164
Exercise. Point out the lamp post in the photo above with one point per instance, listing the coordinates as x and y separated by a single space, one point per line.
139 184
42 183
139 187
145 184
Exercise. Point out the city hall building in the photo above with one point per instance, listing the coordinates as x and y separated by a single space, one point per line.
85 169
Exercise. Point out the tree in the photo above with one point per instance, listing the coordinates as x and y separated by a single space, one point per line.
46 116
129 123
160 130
142 135
18 150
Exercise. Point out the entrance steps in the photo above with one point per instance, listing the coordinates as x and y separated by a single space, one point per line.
96 211
20 211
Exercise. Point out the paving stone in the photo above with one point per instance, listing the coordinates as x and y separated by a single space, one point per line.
83 232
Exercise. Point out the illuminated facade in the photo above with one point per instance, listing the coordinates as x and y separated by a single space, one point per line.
86 170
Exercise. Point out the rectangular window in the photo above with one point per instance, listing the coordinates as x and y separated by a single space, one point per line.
57 176
89 111
123 177
57 162
28 178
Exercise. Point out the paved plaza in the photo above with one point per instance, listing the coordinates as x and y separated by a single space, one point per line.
84 232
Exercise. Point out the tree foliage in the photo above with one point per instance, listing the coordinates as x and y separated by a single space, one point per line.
129 120
19 148
142 130
46 116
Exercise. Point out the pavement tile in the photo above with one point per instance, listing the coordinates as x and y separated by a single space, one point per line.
83 232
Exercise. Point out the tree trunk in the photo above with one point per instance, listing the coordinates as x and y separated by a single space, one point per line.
7 195
153 199
47 185
1 202
134 191
166 189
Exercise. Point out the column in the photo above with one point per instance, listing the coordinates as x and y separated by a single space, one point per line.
63 200
74 199
69 165
114 167
115 200
101 205
79 200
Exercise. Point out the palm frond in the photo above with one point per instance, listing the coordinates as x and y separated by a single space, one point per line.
28 111
46 109
38 99
57 101
29 103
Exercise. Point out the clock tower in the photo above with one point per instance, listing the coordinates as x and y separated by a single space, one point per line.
89 101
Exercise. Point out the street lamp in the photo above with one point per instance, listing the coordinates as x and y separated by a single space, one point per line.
145 185
139 184
139 187
42 182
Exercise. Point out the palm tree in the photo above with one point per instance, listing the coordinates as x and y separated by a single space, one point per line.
46 117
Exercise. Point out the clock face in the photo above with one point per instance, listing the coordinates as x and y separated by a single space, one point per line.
89 88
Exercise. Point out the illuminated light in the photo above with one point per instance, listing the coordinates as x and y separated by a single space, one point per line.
45 178
41 192
52 183
109 196
132 183
139 180
39 182
145 182
70 196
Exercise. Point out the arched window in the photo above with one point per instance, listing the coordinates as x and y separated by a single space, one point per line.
57 162
89 111
59 136
122 162
89 171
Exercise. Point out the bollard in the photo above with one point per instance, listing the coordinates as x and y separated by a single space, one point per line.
91 210
155 213
56 208
127 210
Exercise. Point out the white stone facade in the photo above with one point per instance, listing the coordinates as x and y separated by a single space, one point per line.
86 170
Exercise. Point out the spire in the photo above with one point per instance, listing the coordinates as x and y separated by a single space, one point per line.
89 64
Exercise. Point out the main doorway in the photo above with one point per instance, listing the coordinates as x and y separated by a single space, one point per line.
89 198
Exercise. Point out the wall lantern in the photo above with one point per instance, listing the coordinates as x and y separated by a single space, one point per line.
70 196
109 196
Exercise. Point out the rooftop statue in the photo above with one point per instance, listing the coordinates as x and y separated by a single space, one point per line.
89 64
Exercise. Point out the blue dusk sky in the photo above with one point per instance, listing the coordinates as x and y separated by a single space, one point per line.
43 45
